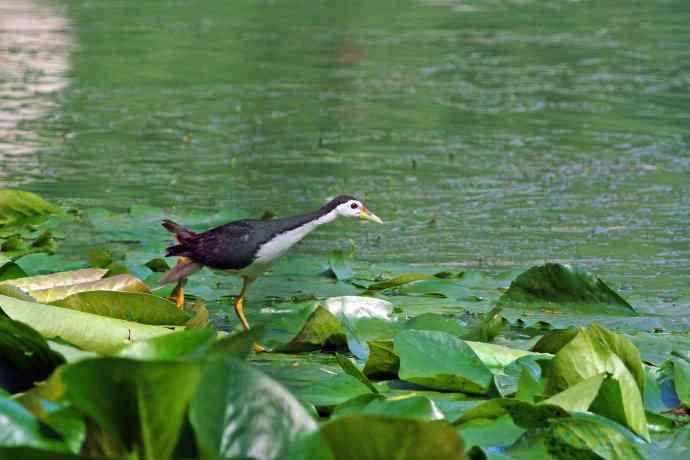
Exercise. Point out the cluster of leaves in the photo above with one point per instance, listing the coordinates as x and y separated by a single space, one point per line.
97 364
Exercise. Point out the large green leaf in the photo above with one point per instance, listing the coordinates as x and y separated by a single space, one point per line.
440 361
570 438
524 414
321 330
24 355
54 280
580 396
9 270
85 330
563 288
17 206
18 427
382 362
121 283
406 406
328 393
372 437
240 412
190 344
130 306
141 403
589 354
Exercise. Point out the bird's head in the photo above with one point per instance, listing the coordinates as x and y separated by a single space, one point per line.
347 206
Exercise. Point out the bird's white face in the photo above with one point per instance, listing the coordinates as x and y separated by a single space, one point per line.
355 208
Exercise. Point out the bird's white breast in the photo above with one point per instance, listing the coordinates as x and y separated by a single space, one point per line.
280 243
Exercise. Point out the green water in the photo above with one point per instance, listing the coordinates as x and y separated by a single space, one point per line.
490 134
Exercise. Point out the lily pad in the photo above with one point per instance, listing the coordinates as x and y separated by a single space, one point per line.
120 283
440 361
18 207
589 354
371 437
130 306
87 331
55 280
383 362
340 265
563 288
141 403
241 412
191 344
322 330
352 370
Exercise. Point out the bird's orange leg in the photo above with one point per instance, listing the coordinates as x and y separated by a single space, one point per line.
239 309
178 293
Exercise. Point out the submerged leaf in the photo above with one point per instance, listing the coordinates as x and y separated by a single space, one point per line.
561 287
399 281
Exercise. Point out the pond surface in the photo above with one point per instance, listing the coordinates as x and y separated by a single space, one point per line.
493 134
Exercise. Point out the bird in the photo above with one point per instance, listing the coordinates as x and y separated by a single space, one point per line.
249 247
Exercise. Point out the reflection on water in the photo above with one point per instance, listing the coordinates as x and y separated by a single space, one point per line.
34 50
498 134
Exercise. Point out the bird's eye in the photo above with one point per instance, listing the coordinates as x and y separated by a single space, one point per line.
354 205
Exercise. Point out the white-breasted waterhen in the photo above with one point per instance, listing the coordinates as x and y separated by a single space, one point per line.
249 247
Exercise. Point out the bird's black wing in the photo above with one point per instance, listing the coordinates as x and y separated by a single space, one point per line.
228 247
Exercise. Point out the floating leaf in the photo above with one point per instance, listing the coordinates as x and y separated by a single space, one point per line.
10 270
580 396
589 354
139 307
241 412
576 437
17 207
120 283
141 403
399 281
374 437
564 288
440 361
40 282
352 370
340 265
327 394
408 406
321 330
85 330
383 363
190 344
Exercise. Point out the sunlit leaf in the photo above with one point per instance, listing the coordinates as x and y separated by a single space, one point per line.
87 331
17 206
121 283
141 403
240 412
130 306
54 280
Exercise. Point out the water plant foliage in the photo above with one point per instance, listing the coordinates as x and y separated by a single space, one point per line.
365 362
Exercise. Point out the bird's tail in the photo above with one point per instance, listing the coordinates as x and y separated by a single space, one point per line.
180 271
182 233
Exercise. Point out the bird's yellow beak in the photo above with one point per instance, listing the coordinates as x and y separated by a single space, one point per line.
365 214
